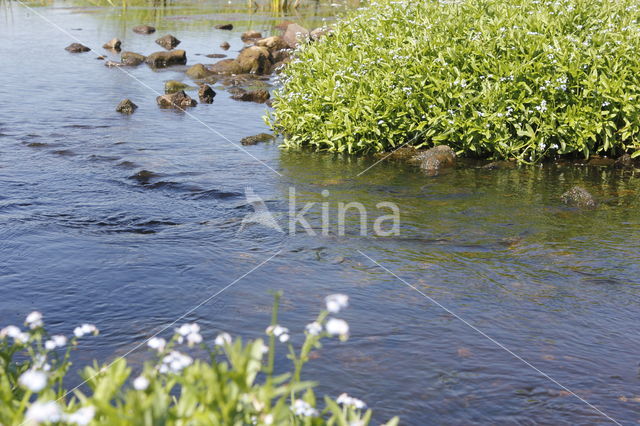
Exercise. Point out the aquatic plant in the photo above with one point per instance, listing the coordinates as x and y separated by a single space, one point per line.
235 385
491 78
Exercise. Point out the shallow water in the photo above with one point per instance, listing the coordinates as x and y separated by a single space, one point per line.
85 239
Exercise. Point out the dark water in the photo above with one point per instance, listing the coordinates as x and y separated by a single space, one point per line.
84 240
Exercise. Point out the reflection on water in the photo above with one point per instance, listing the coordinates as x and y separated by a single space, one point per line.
128 222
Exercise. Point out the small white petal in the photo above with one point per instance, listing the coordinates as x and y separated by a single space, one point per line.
141 383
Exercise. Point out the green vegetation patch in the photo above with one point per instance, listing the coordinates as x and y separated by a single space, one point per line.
490 78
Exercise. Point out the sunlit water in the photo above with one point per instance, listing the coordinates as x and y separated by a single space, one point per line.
83 241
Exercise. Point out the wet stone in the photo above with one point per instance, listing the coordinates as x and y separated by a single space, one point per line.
126 107
168 42
227 27
206 94
253 140
144 29
77 48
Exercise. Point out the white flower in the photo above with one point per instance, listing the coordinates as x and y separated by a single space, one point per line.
44 412
314 328
56 341
337 327
83 416
176 361
303 408
345 399
34 320
336 302
194 338
85 329
282 333
141 383
268 419
15 333
222 339
157 343
186 329
33 380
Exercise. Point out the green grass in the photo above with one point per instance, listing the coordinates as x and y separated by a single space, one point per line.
491 78
231 383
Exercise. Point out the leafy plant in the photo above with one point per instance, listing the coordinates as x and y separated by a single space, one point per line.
491 78
236 385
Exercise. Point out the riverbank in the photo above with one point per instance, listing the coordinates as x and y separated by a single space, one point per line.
496 79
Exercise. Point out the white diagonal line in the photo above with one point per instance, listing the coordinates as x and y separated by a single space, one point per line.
142 83
435 302
208 299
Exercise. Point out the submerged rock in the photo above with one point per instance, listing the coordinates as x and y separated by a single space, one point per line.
132 59
225 45
227 27
206 94
578 197
259 96
111 64
435 159
179 100
77 48
624 162
295 34
113 44
216 55
144 29
197 72
250 35
126 107
173 86
253 140
168 42
166 59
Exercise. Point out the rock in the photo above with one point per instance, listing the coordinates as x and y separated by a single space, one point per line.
578 197
404 153
253 140
260 96
281 55
179 100
225 46
435 159
319 33
198 71
173 86
113 44
250 35
168 42
624 162
254 60
132 59
206 94
295 34
101 58
225 66
113 64
272 43
216 55
76 48
600 161
166 59
144 29
495 165
227 27
126 107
